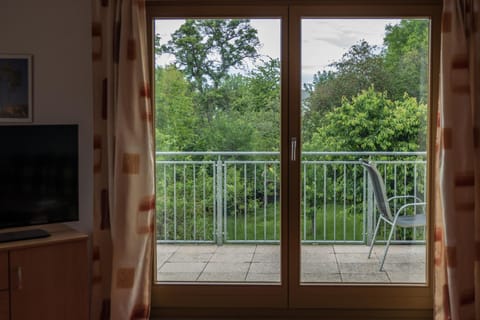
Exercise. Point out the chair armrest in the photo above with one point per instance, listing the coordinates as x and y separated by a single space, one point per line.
403 197
408 205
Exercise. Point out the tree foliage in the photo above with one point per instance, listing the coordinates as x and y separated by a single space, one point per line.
371 121
177 121
206 50
371 99
406 58
399 68
368 100
359 68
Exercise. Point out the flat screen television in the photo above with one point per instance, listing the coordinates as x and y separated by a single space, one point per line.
38 177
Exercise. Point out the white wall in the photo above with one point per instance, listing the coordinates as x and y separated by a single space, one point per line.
58 35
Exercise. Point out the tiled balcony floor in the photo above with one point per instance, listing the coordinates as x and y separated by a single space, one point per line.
261 263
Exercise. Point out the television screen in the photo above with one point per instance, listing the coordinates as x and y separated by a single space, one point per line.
38 174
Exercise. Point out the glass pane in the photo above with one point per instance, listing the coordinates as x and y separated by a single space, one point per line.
217 100
365 95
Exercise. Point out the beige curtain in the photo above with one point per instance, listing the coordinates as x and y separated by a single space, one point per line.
457 235
124 161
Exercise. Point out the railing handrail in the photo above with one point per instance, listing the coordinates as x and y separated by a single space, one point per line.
273 153
250 202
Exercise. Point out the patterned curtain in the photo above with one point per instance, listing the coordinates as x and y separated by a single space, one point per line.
124 161
457 234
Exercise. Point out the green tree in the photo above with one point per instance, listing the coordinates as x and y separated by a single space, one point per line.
359 68
177 122
228 131
206 50
406 58
257 97
251 109
370 121
265 87
399 67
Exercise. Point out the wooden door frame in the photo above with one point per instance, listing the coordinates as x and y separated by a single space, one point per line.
232 295
360 296
290 295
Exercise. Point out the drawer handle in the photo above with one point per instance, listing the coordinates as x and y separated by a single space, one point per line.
19 278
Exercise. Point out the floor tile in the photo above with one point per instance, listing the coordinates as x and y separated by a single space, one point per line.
319 268
320 257
355 257
162 258
380 277
263 277
405 257
266 257
339 248
199 248
316 249
359 268
166 248
405 267
177 276
320 263
321 277
223 276
181 267
264 267
227 267
190 257
267 249
236 248
231 257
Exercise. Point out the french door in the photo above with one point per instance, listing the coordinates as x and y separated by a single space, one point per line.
261 200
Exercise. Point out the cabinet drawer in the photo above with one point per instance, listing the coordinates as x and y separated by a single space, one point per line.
3 270
4 305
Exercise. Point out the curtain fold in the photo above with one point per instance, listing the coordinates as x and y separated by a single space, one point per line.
457 232
123 162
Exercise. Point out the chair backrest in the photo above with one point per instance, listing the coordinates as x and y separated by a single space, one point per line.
378 189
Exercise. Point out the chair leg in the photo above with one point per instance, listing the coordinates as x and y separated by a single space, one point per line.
374 236
387 246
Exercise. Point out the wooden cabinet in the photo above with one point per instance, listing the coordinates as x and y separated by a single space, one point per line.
45 278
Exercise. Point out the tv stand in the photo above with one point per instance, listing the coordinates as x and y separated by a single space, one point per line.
23 235
46 278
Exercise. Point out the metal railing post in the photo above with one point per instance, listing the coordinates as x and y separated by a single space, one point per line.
219 199
215 195
370 212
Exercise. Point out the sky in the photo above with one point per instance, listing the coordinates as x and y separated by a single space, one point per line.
323 40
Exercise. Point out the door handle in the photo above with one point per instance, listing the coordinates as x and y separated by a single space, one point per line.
293 149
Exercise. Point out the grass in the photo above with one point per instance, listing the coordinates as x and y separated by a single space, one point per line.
326 225
329 223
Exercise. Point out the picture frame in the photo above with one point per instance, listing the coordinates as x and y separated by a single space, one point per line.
16 88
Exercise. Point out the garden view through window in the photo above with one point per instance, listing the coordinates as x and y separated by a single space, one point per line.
218 105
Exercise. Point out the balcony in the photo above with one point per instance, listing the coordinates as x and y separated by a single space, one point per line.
323 263
218 217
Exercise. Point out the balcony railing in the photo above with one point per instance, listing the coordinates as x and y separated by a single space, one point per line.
226 197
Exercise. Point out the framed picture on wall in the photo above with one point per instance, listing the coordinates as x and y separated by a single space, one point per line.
15 88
